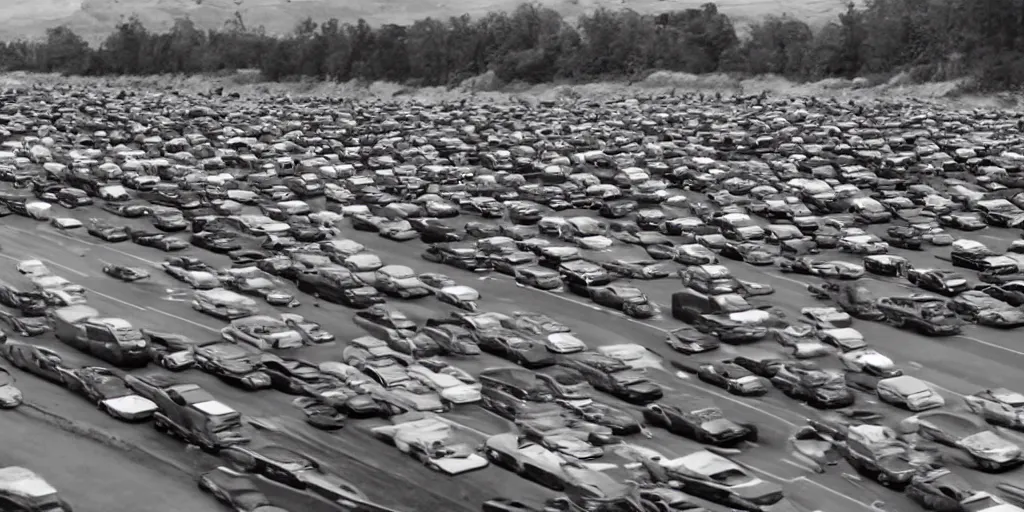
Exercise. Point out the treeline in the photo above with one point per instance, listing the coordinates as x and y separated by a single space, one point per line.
930 39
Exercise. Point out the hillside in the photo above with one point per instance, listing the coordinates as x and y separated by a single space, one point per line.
95 18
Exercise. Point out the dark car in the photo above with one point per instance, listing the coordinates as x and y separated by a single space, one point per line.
232 363
964 221
1011 293
515 347
689 340
125 273
219 242
943 282
698 420
940 490
160 241
294 376
818 388
236 490
107 232
339 286
39 361
129 209
925 314
465 257
637 269
107 391
614 377
903 237
629 299
29 303
319 414
732 377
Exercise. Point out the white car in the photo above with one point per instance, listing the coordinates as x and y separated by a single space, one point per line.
827 317
635 356
198 279
909 392
449 387
64 223
564 343
436 443
33 268
50 282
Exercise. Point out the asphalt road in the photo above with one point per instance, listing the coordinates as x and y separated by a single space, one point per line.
981 358
90 475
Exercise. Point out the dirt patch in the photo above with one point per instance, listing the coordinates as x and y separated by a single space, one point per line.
248 84
134 452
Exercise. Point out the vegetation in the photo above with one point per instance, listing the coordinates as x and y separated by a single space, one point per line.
929 39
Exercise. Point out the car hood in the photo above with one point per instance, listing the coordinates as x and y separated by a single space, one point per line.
990 445
720 426
130 405
750 317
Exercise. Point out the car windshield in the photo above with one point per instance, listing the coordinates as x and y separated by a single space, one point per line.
730 477
731 303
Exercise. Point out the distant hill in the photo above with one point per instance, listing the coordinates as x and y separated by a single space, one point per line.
94 19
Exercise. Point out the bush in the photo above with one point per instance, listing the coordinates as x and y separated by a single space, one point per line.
923 39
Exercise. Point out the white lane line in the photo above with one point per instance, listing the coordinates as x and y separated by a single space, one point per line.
804 479
92 244
787 279
115 299
803 467
990 344
756 408
186 320
581 303
69 269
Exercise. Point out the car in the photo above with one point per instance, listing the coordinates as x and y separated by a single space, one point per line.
928 315
826 269
221 242
515 347
527 458
125 273
265 332
619 421
256 283
855 300
481 229
399 281
712 477
637 269
65 223
320 414
24 326
827 317
107 232
294 376
699 420
614 377
976 444
752 253
998 406
108 391
964 221
29 303
800 340
450 388
943 282
39 361
874 451
908 392
982 308
486 207
451 339
867 244
160 241
385 323
508 263
807 383
629 299
10 396
886 265
399 231
223 304
462 297
904 237
538 277
688 340
233 363
436 443
1011 292
940 490
236 490
974 255
732 377
170 351
694 254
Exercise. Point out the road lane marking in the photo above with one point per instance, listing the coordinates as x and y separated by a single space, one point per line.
787 279
91 244
115 299
798 465
990 344
752 407
183 319
804 479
